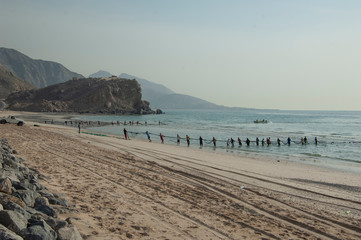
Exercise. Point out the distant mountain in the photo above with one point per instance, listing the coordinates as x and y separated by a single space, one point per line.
181 101
10 83
90 95
162 97
37 72
150 90
45 73
100 74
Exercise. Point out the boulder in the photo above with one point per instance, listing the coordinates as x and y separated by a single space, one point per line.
69 233
13 220
158 111
58 201
38 230
5 185
41 201
6 234
28 196
5 198
47 210
16 208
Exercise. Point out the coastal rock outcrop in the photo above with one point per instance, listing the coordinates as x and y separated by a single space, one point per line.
26 211
89 95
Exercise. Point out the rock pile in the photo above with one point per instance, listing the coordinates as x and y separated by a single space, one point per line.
27 209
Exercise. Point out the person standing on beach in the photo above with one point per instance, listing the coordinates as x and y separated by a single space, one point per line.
316 141
279 142
305 140
79 127
262 142
200 141
178 139
289 141
161 137
125 134
214 141
248 142
257 141
188 140
148 136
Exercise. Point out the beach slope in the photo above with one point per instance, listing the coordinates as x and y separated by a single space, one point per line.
138 190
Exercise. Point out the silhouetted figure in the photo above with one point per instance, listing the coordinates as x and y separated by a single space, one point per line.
125 134
161 137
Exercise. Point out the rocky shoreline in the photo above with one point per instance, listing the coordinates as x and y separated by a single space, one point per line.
27 209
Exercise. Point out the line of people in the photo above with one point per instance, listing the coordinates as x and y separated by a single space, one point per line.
230 141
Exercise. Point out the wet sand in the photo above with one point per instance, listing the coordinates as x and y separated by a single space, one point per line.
133 189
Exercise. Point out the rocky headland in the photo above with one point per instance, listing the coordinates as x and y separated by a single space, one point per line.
27 209
88 95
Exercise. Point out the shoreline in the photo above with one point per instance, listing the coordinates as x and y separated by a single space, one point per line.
124 189
333 164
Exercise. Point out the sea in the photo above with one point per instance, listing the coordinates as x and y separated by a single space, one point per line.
338 133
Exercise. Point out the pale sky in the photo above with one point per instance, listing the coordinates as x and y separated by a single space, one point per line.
279 54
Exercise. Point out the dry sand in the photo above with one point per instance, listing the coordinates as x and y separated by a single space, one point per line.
139 190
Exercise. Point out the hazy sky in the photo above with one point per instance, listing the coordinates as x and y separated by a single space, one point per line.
290 54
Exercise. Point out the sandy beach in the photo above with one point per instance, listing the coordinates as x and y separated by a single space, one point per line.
134 189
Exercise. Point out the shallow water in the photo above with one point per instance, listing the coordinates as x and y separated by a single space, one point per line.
338 132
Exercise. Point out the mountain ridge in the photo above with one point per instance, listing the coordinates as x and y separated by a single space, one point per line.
162 97
43 73
10 83
39 73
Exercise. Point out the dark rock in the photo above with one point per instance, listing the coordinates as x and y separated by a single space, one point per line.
13 220
46 193
60 224
47 210
41 201
158 111
58 201
38 232
6 234
28 196
20 185
16 208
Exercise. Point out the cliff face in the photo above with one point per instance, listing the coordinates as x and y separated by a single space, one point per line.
37 72
10 83
112 96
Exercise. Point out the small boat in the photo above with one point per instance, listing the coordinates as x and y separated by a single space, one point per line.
260 121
